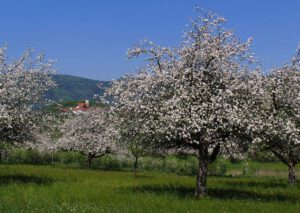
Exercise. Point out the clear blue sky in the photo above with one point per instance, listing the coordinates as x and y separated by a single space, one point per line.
90 37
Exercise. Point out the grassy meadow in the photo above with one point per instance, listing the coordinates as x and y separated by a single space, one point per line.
29 188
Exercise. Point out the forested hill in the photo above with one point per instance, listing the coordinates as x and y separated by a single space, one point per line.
75 88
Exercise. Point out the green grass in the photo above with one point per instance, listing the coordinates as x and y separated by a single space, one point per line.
26 188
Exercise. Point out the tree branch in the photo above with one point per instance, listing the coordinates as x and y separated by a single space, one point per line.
215 153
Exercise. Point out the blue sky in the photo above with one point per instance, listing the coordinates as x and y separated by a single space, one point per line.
89 38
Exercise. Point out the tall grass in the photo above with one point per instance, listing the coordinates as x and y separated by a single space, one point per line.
26 188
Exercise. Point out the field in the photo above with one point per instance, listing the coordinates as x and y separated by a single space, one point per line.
28 188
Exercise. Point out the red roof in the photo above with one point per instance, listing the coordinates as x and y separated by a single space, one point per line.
82 106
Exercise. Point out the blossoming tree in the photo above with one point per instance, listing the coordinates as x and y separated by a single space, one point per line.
131 135
23 83
90 133
185 97
276 114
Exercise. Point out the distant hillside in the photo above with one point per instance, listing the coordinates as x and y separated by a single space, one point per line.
75 88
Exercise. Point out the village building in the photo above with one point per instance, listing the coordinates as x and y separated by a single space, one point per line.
80 108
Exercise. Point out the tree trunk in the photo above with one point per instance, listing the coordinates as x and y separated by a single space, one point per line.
204 160
201 189
89 161
292 175
135 166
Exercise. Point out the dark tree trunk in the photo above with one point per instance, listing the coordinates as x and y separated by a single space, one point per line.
135 165
292 175
89 161
291 165
204 160
203 157
201 189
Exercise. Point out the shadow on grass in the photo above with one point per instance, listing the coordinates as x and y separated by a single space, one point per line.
142 176
218 193
179 191
237 194
265 185
24 179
